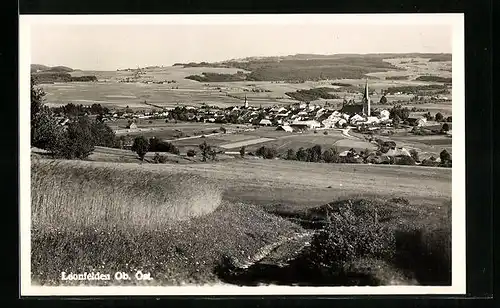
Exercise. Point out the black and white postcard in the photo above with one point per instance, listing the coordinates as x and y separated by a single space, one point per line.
242 154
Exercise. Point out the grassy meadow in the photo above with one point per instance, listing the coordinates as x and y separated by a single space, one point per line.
197 224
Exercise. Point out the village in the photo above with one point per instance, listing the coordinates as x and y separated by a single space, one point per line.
356 121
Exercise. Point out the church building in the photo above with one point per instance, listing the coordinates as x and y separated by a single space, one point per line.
363 109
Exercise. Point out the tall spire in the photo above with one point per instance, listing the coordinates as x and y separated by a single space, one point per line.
366 95
366 98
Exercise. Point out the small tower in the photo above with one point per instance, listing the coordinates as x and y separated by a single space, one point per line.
246 102
366 100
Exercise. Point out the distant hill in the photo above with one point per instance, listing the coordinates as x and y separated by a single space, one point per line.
433 56
299 68
53 69
47 74
39 67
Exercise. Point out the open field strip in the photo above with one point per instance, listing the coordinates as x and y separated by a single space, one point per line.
245 143
299 183
192 137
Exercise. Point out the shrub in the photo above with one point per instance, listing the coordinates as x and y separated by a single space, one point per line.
401 112
405 160
155 145
191 153
242 151
331 156
140 146
290 155
348 236
430 162
159 159
439 117
325 133
448 119
301 154
267 152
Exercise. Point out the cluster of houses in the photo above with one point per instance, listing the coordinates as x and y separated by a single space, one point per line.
294 117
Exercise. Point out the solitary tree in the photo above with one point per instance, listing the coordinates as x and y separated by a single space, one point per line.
205 150
445 156
445 128
140 146
242 151
439 117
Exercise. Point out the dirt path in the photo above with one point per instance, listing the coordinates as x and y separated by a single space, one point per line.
191 137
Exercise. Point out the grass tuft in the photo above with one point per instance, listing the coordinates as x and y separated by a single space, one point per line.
70 196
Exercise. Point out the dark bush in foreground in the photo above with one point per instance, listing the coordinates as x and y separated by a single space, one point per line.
354 234
347 237
191 153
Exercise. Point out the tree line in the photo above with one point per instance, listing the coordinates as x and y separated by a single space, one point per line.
75 140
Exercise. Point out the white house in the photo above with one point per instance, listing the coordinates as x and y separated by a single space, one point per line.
265 122
132 125
384 115
356 118
311 124
286 128
398 152
331 121
336 113
372 120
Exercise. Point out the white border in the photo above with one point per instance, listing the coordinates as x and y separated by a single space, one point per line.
456 21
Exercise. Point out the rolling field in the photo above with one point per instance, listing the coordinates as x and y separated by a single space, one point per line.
276 181
172 220
109 91
282 141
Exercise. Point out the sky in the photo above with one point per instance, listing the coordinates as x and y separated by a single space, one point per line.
111 47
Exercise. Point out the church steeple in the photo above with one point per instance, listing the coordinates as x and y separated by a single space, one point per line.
366 98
